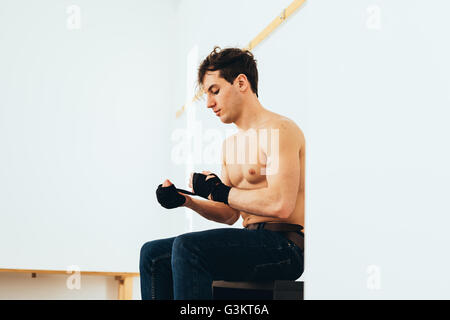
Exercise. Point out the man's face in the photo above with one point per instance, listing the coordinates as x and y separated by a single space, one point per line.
222 97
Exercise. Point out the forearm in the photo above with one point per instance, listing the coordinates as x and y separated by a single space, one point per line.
214 211
259 202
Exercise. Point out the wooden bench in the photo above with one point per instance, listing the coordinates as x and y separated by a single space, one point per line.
263 290
125 279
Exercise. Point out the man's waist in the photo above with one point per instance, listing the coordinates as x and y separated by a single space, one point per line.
275 226
291 231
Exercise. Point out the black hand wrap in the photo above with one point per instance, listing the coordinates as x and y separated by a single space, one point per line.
213 186
169 197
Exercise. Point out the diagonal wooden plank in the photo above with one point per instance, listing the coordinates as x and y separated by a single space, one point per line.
285 14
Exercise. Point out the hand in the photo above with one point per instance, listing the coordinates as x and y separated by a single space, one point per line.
209 175
168 196
167 183
208 185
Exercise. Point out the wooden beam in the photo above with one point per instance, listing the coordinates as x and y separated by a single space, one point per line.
125 279
197 96
285 14
86 273
125 288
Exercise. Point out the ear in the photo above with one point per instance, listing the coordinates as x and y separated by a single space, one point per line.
242 82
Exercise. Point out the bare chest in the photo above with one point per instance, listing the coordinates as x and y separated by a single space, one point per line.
246 161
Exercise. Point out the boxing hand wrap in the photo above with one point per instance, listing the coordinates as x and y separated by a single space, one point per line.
168 197
220 192
213 186
201 186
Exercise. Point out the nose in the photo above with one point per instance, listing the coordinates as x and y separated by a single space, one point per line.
210 103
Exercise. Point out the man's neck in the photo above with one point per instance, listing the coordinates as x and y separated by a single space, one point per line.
251 116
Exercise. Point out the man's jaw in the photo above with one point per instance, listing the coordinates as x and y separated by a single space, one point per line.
217 112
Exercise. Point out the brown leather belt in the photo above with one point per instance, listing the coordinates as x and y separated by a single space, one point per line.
292 232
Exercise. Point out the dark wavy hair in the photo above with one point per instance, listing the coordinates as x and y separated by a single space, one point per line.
231 62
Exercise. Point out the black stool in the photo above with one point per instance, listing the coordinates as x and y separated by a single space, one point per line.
261 290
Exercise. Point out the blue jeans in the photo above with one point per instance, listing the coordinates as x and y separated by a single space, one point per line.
184 267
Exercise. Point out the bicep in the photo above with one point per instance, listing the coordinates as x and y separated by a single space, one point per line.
283 165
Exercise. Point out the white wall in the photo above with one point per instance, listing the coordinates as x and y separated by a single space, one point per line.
368 83
82 134
378 104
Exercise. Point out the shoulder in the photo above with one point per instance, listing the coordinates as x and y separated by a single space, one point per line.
287 128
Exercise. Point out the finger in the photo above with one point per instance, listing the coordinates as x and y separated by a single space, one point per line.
190 179
206 172
209 177
167 183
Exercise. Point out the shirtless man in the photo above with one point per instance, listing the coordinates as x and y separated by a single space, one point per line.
268 194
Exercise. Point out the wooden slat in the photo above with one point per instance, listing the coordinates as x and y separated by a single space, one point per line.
286 13
86 273
125 278
275 24
125 288
197 97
